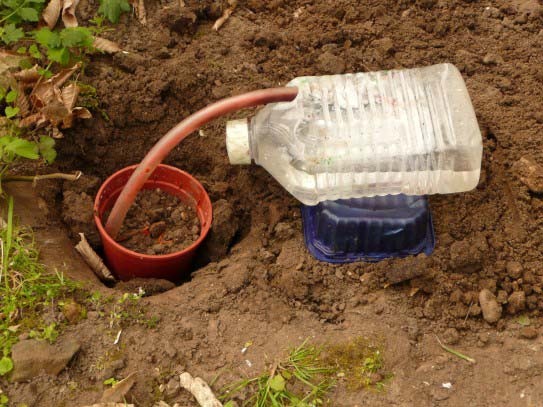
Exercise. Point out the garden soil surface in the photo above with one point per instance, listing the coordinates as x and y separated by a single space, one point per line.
256 282
159 223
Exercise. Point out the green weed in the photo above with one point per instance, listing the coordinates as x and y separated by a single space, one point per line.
301 380
26 289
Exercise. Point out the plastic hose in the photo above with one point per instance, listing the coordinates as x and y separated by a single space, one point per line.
171 139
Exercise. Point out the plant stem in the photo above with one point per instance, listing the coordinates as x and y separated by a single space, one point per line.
455 352
14 11
36 178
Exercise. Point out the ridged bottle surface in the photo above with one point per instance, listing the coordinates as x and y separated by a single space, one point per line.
377 133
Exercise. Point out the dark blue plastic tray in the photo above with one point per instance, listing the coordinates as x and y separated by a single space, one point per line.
368 229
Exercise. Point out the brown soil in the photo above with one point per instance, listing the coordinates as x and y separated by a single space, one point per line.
261 284
159 223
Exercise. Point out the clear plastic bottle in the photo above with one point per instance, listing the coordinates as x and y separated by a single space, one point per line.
410 131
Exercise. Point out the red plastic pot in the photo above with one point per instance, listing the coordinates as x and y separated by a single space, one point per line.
127 264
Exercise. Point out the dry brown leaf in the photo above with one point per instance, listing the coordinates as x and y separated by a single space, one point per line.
22 101
64 75
30 75
82 113
69 95
77 113
56 133
42 94
36 120
45 92
68 13
56 112
105 45
52 13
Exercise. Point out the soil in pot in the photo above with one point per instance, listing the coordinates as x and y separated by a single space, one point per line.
159 223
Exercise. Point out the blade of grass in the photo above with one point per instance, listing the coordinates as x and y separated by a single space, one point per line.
455 352
9 240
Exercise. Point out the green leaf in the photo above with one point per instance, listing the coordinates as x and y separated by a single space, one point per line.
21 50
286 374
11 96
112 9
47 149
29 14
277 383
46 73
60 55
34 51
76 37
23 148
12 4
2 93
6 365
11 111
10 33
47 38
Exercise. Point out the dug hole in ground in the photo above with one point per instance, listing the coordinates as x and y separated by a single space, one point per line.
258 289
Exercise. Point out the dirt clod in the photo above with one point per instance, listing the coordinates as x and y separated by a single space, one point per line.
530 173
492 311
528 332
329 63
516 302
514 269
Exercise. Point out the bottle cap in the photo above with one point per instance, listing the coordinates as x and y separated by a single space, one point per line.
237 141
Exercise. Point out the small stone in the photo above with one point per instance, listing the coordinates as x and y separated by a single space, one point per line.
514 269
492 59
492 311
528 332
32 358
157 228
173 387
517 302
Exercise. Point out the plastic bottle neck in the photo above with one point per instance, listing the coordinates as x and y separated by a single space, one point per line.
238 142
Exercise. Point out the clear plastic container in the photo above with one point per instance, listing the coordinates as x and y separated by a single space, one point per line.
410 131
